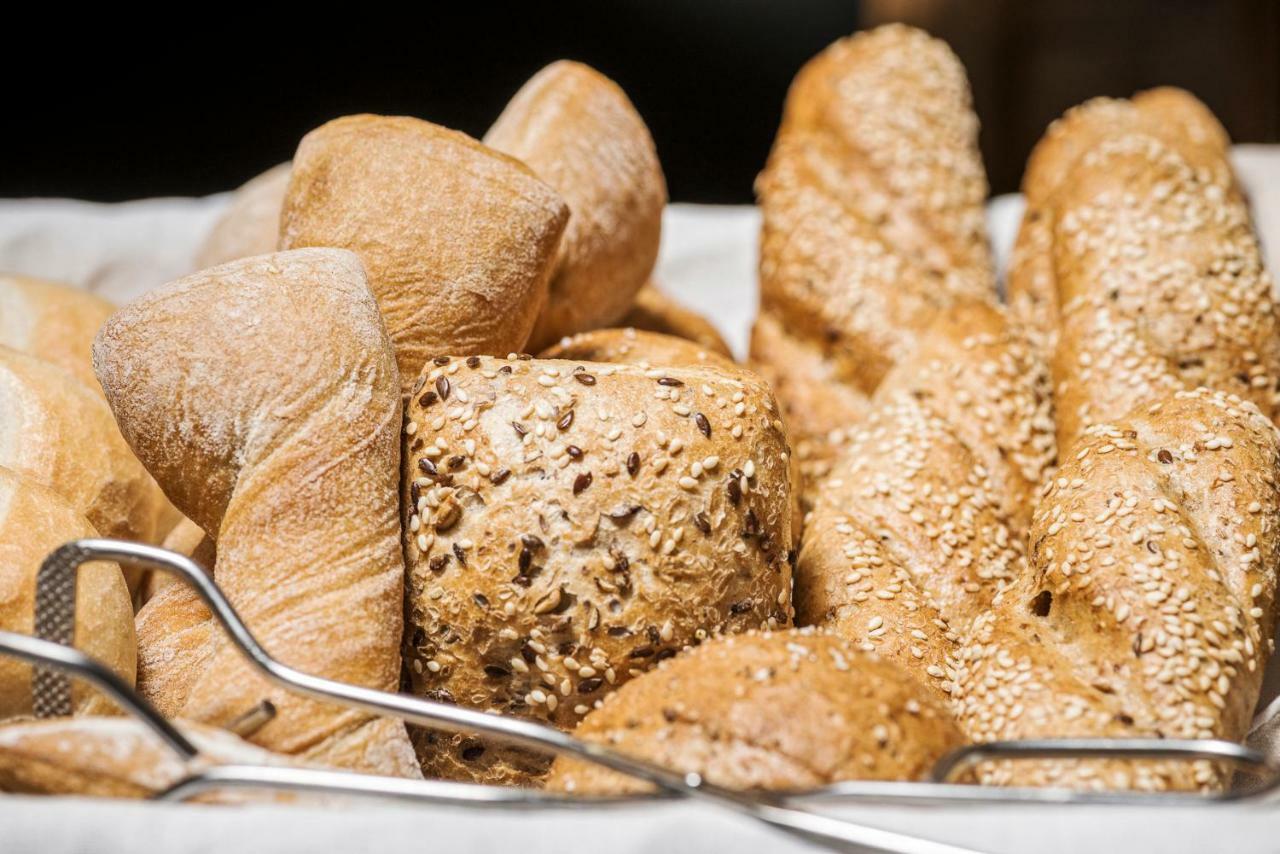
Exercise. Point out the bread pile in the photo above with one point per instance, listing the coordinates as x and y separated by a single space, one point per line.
918 518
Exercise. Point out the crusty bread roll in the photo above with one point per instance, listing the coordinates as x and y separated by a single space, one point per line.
458 240
1148 609
60 434
655 311
872 202
251 224
33 522
115 758
281 440
578 131
778 711
52 322
569 524
1172 115
186 539
632 346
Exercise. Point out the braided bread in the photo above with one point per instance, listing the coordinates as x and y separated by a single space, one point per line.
1147 609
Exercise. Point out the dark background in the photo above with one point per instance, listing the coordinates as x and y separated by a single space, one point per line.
120 116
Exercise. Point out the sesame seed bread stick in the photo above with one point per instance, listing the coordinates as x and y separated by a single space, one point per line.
569 524
264 395
458 240
655 311
576 129
251 223
1148 607
773 710
34 521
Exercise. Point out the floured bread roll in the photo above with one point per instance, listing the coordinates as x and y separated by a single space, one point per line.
251 224
569 524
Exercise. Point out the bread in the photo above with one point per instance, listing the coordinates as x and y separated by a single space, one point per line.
185 539
52 322
577 130
33 522
777 711
631 346
115 758
251 223
458 240
281 441
569 524
655 311
1171 115
58 433
1148 608
872 202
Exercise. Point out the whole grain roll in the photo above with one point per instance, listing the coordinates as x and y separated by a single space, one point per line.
33 522
569 524
577 130
251 223
458 240
632 346
655 311
776 711
53 322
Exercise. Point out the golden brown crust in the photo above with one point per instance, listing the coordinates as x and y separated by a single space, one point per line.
251 224
281 440
1148 607
634 347
114 758
33 522
52 322
569 524
776 711
458 240
655 311
577 130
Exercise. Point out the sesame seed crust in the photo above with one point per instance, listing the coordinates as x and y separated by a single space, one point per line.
564 536
768 710
1148 606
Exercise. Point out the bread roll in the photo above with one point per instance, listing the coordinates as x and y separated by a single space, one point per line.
52 322
263 394
872 202
569 524
777 711
655 311
251 223
33 522
60 434
458 240
114 758
1148 608
578 131
631 346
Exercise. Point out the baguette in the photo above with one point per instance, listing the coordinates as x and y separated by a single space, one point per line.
280 440
775 711
458 240
1148 608
569 524
251 224
33 522
577 130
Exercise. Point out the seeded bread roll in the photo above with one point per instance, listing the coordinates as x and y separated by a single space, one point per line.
1172 115
33 522
114 758
775 711
632 346
577 130
655 311
1148 610
58 433
569 524
872 202
52 322
264 395
251 224
458 240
